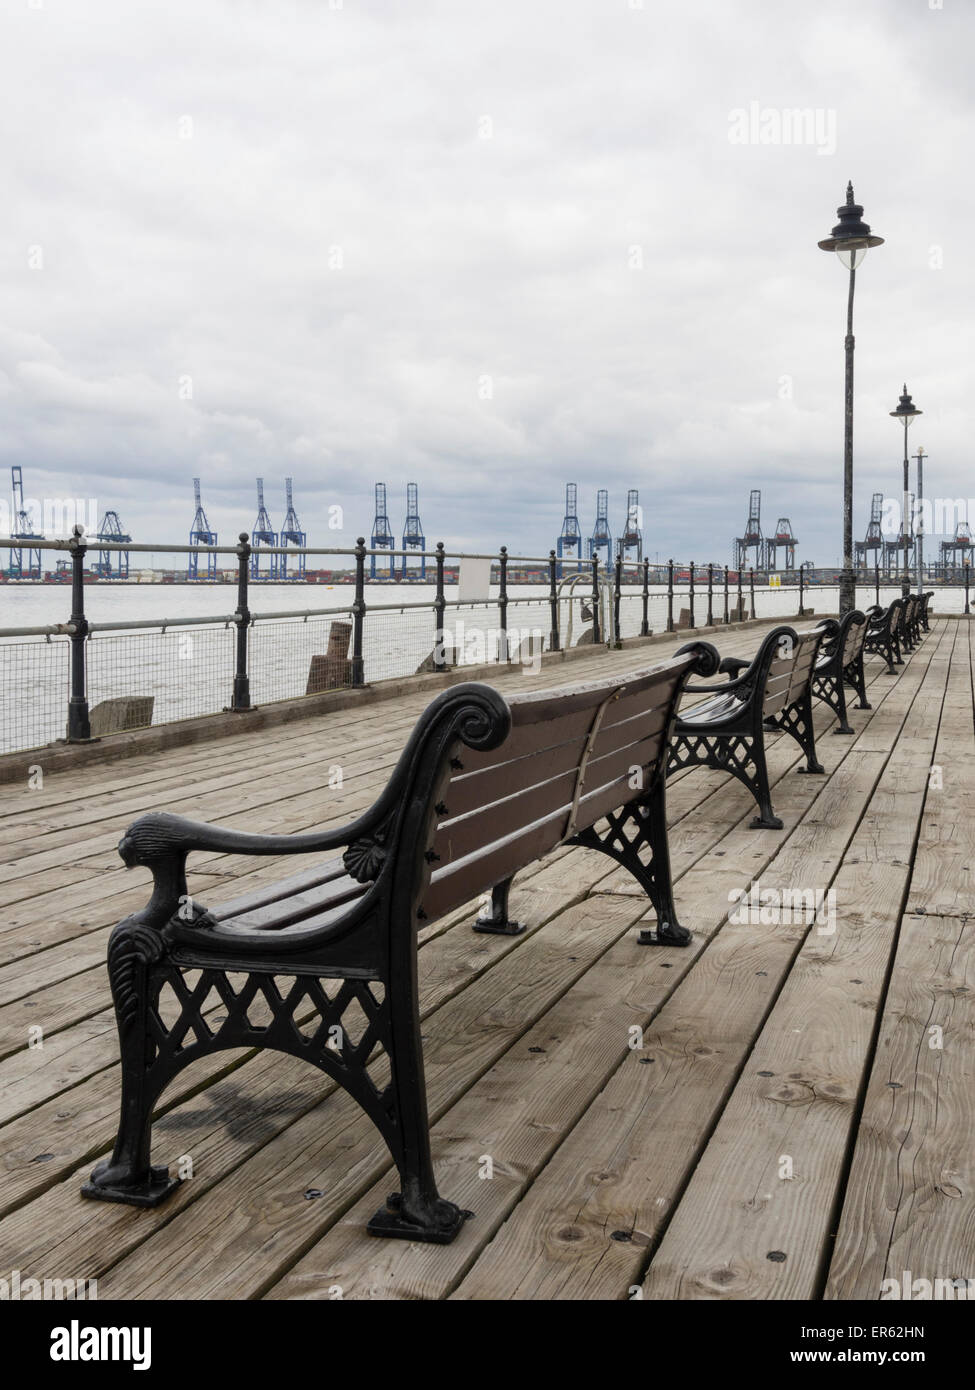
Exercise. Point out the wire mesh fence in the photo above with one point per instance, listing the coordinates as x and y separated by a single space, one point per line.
187 672
290 657
33 691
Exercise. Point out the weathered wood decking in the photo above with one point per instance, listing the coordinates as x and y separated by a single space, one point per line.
794 1125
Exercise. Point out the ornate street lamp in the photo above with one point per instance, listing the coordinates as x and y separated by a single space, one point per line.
851 240
906 411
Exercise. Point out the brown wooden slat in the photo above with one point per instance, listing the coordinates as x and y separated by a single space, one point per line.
534 727
281 888
297 907
457 838
456 885
470 791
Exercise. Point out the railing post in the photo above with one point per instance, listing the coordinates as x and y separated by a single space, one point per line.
802 606
738 613
645 625
967 570
357 673
554 602
670 595
710 595
79 728
726 595
241 698
503 604
553 598
439 606
877 583
751 586
596 637
690 596
616 598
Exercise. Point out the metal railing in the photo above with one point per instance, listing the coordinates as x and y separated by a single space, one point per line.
231 654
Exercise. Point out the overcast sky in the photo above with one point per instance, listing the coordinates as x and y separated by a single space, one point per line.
488 247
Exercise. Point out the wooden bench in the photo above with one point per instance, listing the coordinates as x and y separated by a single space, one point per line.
910 623
727 731
883 633
325 961
916 618
839 664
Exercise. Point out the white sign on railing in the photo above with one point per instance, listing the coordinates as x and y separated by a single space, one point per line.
474 580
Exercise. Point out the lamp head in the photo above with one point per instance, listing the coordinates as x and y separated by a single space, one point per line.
851 238
906 409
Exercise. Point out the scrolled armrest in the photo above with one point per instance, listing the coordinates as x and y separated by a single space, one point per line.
161 841
734 665
160 837
707 659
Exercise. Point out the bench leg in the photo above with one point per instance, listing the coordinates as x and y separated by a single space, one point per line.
417 1211
743 755
798 722
494 918
844 726
649 817
128 1176
832 693
853 675
766 818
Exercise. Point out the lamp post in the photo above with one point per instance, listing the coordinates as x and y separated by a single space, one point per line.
919 533
851 240
906 411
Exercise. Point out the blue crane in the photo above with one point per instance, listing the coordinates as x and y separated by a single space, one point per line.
111 530
200 534
292 534
262 535
382 533
413 537
601 538
571 536
23 530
